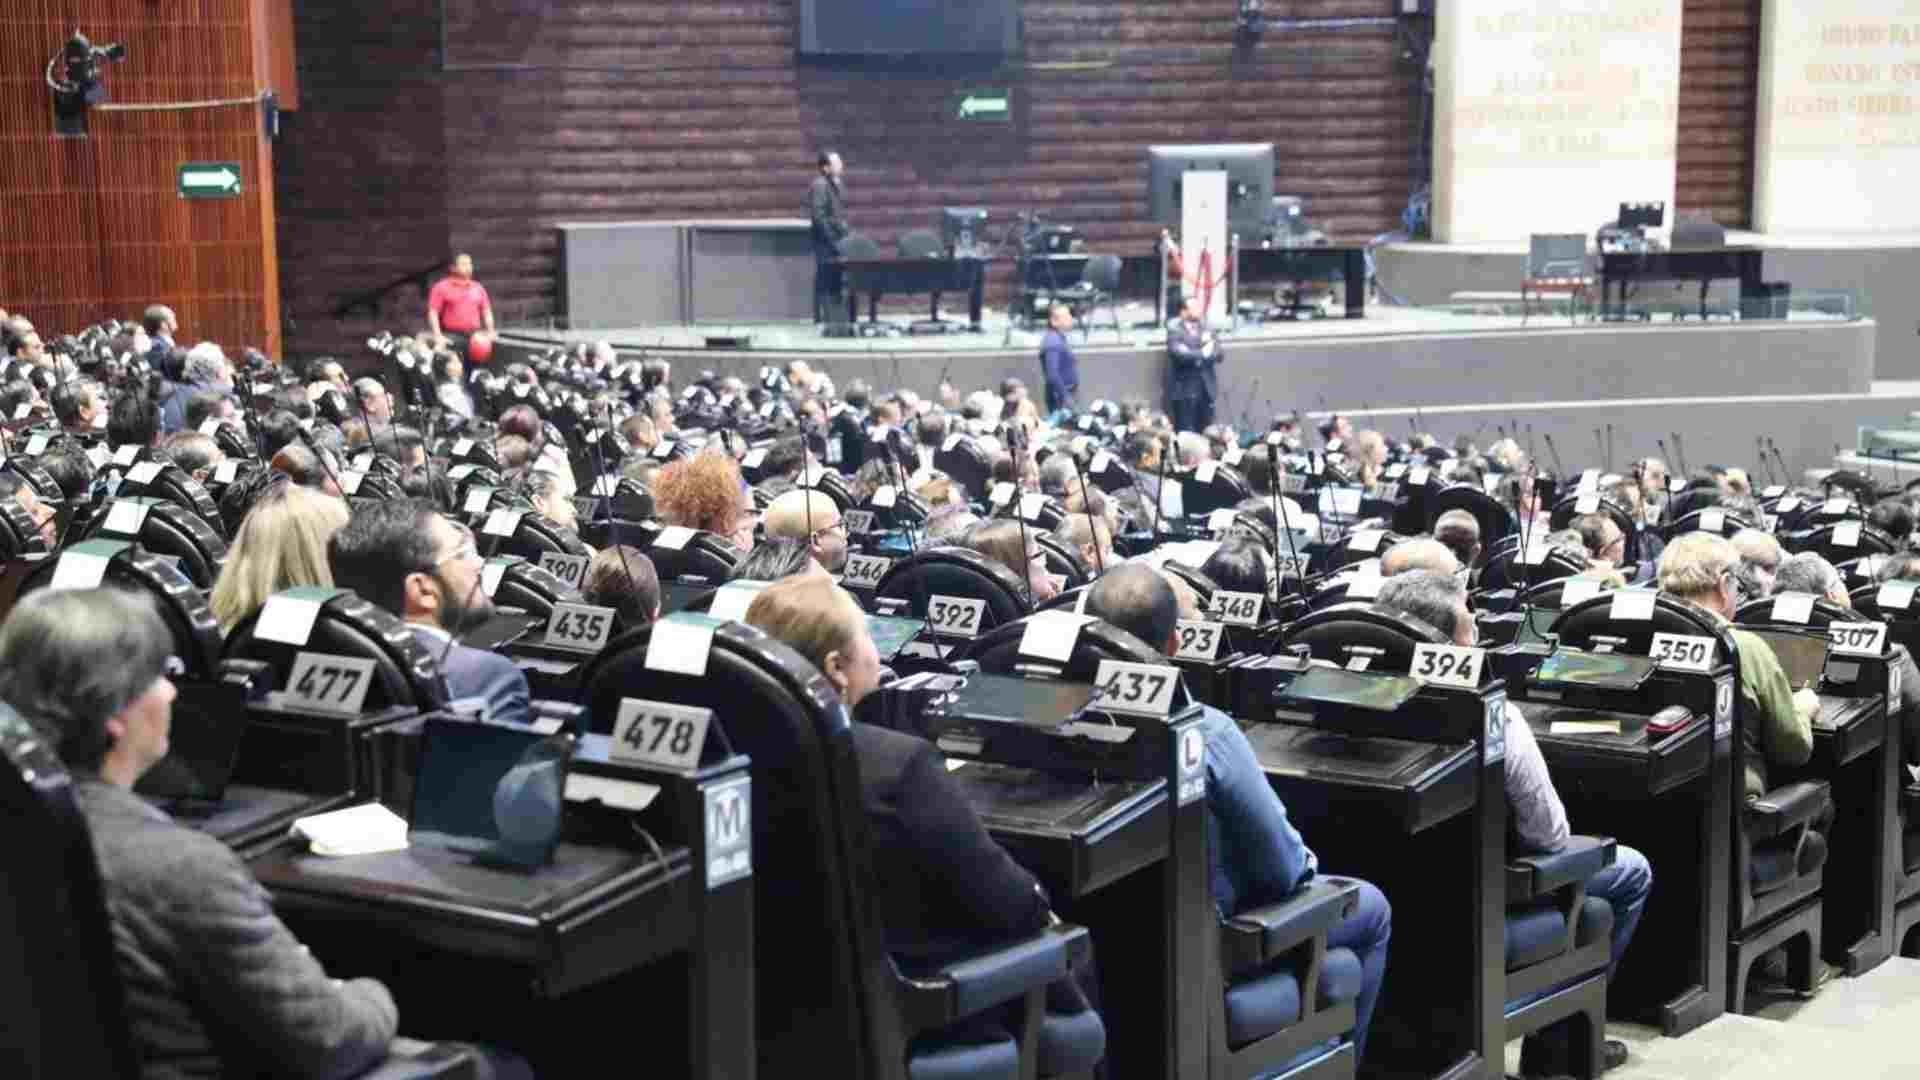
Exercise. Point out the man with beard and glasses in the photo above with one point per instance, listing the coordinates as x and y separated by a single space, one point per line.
408 558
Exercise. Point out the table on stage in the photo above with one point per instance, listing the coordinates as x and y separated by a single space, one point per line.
880 274
1619 269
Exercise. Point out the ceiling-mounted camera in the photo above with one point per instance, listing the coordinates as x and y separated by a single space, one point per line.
74 77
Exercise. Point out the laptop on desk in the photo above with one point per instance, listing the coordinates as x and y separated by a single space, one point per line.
202 750
491 791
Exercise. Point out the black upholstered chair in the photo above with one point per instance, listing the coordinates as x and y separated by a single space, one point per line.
1343 633
680 553
1496 521
962 457
1205 490
956 572
164 528
828 993
1840 541
405 673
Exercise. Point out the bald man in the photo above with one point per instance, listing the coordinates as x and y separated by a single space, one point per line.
804 514
1419 554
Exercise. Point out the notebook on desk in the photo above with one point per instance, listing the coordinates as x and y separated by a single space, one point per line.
1802 656
492 791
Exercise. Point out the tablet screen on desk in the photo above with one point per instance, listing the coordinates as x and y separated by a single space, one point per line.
891 633
1802 656
1611 671
490 790
1011 699
1365 690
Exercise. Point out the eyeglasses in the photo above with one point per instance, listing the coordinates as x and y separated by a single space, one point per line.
465 551
838 526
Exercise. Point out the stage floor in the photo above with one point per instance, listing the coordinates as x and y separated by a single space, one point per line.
1138 330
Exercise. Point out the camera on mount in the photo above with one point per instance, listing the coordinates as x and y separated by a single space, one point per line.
74 76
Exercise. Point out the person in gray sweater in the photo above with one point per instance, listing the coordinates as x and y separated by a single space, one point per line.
215 983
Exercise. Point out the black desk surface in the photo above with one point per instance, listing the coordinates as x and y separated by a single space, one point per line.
1629 762
593 912
1423 783
1074 835
248 815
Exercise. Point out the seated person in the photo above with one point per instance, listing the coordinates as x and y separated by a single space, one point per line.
1460 532
1256 854
1013 546
1760 557
945 886
195 453
215 982
1419 553
1601 538
1238 565
1537 819
45 517
1090 537
70 467
1809 573
771 560
306 468
705 492
1700 568
548 496
1894 517
812 519
623 578
405 556
280 544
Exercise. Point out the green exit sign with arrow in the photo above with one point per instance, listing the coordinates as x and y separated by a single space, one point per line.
210 180
987 105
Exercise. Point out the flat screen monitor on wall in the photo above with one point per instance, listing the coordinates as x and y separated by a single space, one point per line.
1249 169
909 27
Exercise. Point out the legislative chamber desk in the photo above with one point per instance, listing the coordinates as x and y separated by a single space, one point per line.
1414 800
1670 796
878 275
1262 265
545 954
1088 813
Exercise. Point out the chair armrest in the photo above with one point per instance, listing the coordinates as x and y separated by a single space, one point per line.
977 983
1785 807
253 679
1255 937
1530 877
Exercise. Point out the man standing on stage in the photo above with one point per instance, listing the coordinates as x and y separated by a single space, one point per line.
1192 354
458 309
826 207
1059 371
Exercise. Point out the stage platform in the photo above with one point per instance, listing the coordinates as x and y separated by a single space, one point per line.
1807 380
1877 275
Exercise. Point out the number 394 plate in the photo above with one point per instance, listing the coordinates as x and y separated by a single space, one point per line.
1448 665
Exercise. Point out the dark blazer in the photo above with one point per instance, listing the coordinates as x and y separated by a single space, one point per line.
1058 368
481 674
826 209
216 984
945 885
1190 374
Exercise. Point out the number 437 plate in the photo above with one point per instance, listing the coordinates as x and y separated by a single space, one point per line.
1135 689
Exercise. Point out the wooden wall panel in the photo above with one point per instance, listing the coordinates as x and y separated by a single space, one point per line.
713 115
94 228
1719 60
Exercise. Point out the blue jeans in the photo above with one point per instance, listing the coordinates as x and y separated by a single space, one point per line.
1366 932
1624 886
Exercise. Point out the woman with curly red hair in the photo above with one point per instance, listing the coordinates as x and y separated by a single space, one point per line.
705 492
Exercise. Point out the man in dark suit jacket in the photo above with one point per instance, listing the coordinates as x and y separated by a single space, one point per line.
826 209
1058 368
1192 354
404 556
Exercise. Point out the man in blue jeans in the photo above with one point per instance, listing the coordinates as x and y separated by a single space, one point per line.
1537 818
1257 855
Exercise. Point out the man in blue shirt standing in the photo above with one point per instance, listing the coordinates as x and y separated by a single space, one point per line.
1058 368
1257 856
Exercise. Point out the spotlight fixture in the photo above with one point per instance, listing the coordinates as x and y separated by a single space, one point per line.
74 77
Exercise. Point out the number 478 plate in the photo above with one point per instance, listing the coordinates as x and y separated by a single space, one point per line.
659 733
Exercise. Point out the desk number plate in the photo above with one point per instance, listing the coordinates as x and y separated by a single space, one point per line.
1235 608
1135 689
1682 652
1857 638
865 571
659 734
1448 665
955 616
571 569
579 627
1196 640
858 521
335 684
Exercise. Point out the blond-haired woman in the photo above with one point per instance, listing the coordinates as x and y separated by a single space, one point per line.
281 544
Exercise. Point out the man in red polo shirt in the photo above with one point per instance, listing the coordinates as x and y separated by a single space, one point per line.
458 308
